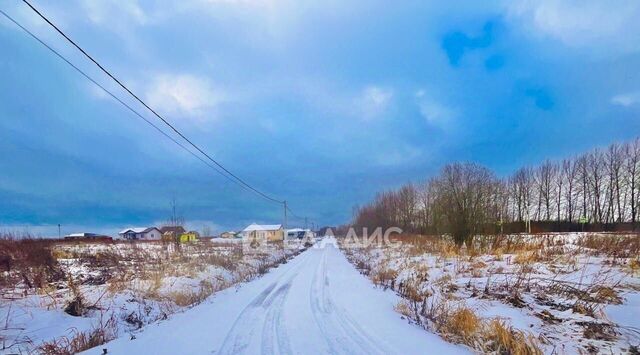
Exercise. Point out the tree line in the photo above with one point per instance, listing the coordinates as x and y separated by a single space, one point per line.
599 188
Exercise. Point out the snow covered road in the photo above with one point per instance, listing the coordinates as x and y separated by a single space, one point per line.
316 303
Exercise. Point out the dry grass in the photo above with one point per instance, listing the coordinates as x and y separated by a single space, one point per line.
403 307
634 265
606 294
460 324
155 284
80 341
189 297
384 276
613 245
502 339
559 273
527 257
28 261
118 284
185 298
146 271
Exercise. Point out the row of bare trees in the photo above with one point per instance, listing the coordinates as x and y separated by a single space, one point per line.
599 187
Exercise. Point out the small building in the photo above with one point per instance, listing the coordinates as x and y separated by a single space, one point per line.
171 233
299 233
189 237
85 235
295 233
141 233
269 232
229 234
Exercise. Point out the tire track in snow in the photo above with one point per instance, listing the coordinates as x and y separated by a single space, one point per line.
239 337
341 333
274 332
244 327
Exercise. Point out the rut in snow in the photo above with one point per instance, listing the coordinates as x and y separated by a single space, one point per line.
267 306
340 332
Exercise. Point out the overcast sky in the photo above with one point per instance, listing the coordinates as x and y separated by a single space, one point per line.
322 103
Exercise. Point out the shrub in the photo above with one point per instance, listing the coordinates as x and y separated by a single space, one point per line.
76 306
29 261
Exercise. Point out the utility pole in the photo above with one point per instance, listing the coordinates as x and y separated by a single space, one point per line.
285 215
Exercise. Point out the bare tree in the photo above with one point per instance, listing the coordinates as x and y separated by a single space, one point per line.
583 169
407 203
501 203
426 194
569 175
614 161
464 193
521 189
595 177
464 199
632 160
545 176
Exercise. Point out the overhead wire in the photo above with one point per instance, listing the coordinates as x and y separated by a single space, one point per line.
217 167
237 179
112 95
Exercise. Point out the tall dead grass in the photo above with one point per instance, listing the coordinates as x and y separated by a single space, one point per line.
459 324
79 341
28 261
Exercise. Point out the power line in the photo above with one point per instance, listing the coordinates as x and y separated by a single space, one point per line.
298 217
113 95
138 114
294 215
166 122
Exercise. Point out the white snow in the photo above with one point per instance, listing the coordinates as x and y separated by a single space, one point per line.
316 303
484 281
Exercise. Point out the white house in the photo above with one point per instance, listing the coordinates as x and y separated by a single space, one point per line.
270 232
141 233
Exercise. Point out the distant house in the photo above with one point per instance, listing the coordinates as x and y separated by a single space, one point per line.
228 234
141 233
84 235
188 237
270 232
299 233
295 233
170 233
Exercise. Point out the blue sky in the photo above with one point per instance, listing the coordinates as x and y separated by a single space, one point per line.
320 103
